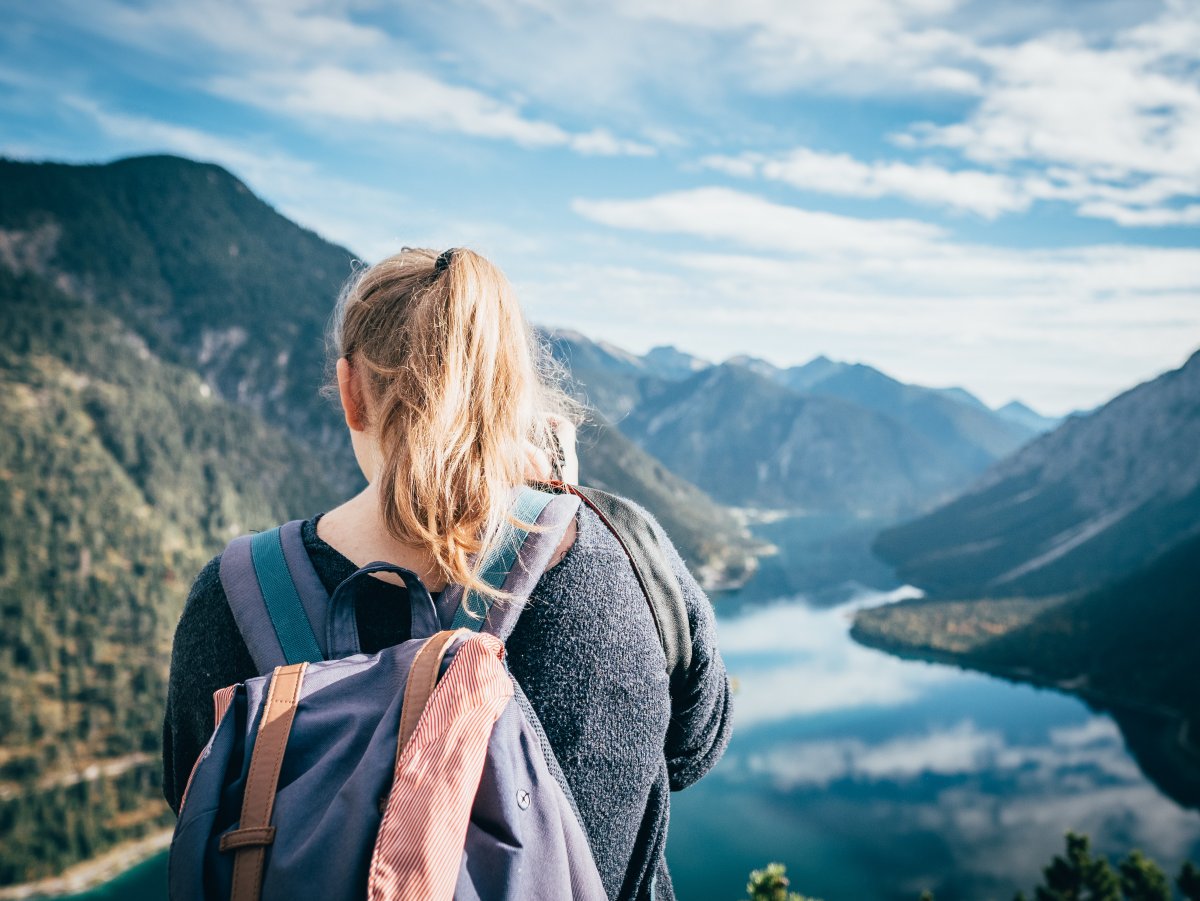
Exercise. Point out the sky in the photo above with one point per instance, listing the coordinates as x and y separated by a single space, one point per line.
998 195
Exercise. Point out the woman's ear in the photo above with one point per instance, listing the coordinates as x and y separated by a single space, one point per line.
351 394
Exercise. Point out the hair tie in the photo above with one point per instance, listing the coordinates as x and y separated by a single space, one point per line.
443 262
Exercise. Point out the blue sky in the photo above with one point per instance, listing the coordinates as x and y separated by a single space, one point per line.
1004 196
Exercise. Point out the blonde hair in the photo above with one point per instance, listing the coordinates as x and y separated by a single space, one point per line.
457 385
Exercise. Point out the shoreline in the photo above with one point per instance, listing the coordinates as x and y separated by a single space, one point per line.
1184 737
92 873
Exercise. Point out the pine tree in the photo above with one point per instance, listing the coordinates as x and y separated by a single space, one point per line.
1143 880
1189 881
771 884
1079 876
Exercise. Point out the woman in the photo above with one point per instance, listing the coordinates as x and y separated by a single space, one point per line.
448 411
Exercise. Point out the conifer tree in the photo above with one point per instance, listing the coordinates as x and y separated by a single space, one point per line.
1189 881
1143 880
771 884
1078 876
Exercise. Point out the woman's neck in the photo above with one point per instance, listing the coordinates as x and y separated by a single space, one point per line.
356 530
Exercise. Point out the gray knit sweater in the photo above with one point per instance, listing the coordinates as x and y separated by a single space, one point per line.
587 655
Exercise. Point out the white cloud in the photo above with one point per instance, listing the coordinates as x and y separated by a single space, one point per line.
986 193
280 31
399 96
1142 201
1121 122
854 46
1133 216
264 53
1113 112
750 221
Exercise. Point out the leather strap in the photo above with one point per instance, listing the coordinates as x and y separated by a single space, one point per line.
249 841
422 680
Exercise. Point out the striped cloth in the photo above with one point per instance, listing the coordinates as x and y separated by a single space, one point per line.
419 849
222 701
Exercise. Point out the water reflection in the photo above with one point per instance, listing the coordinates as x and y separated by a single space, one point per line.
875 777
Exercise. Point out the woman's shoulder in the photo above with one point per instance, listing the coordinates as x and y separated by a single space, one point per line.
595 535
205 612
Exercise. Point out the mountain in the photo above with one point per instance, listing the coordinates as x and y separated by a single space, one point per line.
600 375
1078 508
672 364
952 440
952 417
206 273
120 475
1024 415
963 396
749 441
974 434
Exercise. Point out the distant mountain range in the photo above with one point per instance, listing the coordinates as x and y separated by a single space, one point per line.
825 437
1088 503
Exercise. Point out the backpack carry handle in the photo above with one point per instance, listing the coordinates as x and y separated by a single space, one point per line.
342 627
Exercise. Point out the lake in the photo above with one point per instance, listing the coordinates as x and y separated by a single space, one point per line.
872 777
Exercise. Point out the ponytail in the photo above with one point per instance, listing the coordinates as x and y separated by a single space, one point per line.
456 386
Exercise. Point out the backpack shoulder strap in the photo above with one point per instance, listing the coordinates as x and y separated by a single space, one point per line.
653 570
514 563
274 594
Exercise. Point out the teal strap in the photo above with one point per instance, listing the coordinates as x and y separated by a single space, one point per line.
501 558
283 603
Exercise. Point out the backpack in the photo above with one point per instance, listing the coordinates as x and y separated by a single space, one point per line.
420 772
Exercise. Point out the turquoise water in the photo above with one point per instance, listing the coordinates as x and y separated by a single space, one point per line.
873 777
145 882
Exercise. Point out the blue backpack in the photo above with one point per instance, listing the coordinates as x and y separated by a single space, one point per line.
420 772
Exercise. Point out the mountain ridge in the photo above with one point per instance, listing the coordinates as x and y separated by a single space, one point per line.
1074 509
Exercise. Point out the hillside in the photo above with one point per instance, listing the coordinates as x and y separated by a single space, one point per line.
1078 508
749 441
120 475
208 275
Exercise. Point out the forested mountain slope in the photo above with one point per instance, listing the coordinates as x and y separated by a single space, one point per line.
210 276
161 356
1094 500
120 475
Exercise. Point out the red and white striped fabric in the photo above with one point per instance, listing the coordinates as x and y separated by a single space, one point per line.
222 700
419 849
